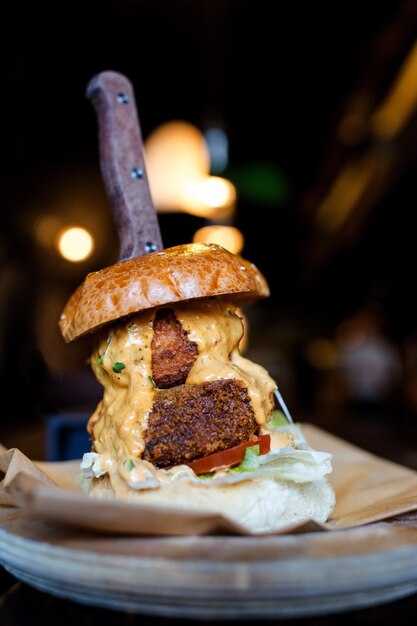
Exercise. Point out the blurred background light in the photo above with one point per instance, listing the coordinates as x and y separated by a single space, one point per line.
175 153
321 353
209 196
353 128
75 243
45 229
345 193
218 147
260 181
178 168
400 103
228 237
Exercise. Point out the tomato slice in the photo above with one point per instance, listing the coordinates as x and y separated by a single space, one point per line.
230 457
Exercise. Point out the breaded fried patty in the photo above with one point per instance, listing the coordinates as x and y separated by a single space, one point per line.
191 421
173 353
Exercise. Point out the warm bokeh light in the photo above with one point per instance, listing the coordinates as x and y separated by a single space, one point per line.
75 243
174 152
321 353
45 229
178 168
227 236
353 128
347 191
209 197
401 101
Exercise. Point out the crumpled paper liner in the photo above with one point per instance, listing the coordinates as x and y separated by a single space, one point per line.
368 489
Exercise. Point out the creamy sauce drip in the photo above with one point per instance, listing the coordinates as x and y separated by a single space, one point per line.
120 419
217 329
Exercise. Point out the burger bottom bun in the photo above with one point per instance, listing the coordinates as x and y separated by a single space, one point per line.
260 505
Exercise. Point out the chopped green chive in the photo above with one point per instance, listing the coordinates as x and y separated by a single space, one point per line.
118 367
100 360
129 464
151 380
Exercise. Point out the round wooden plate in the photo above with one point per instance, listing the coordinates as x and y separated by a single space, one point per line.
225 577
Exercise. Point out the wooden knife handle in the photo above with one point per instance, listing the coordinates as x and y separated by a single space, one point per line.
122 164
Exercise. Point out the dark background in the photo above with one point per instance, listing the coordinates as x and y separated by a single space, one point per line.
285 80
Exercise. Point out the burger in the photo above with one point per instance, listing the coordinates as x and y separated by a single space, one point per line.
186 420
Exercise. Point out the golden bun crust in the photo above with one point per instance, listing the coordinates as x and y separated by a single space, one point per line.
172 275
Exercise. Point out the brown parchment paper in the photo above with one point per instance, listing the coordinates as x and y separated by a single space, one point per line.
368 489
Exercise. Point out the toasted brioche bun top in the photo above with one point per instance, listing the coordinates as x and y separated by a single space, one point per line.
163 277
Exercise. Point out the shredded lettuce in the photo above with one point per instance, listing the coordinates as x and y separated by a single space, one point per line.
91 466
278 419
250 460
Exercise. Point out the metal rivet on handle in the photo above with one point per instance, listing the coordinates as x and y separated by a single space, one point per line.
122 98
150 247
137 172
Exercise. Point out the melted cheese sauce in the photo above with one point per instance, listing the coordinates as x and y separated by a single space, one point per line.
120 419
217 329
